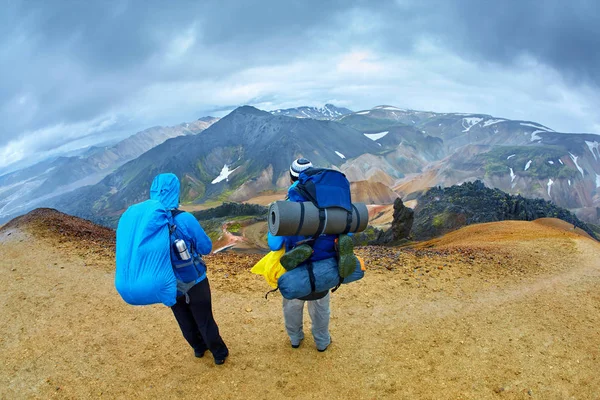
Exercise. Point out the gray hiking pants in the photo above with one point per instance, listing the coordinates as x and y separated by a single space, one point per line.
293 311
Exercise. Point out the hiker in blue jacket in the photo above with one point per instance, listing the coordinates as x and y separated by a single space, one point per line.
318 302
193 309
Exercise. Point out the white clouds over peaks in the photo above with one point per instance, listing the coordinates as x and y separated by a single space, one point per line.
48 141
65 66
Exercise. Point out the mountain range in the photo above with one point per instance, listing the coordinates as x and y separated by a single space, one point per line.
25 189
328 111
385 151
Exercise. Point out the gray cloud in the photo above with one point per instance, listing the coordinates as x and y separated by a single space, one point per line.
139 63
559 33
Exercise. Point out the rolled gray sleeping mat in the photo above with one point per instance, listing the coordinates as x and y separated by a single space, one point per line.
286 218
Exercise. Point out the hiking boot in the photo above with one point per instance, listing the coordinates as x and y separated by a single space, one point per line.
346 258
326 347
221 361
199 353
296 256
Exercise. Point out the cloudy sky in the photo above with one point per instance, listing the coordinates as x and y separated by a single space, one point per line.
75 73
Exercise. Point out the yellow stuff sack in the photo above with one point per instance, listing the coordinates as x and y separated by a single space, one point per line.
270 267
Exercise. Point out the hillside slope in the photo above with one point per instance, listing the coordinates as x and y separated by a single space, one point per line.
25 189
499 310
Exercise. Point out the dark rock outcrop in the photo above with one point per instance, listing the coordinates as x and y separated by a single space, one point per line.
441 210
231 210
401 225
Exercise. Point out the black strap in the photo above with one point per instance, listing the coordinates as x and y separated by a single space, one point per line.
338 285
311 276
321 223
271 291
348 222
301 219
357 216
175 212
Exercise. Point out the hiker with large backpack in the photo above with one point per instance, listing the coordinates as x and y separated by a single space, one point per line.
159 259
325 251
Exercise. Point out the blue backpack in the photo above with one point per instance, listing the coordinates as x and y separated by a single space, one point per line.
326 188
147 268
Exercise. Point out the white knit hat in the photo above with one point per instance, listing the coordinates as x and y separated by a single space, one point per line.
299 165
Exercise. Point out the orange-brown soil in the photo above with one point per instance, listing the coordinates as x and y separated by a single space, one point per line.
506 310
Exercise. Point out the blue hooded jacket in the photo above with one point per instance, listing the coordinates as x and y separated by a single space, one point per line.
165 188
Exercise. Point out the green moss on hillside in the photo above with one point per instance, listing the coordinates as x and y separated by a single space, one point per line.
191 189
497 162
234 228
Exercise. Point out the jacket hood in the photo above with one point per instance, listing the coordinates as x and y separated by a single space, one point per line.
165 188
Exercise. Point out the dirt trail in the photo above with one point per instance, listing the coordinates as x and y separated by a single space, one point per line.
506 311
251 238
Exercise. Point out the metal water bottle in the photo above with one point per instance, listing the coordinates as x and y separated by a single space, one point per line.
182 250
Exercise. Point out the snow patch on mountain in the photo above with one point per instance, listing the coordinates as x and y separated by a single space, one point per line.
574 158
597 181
550 182
527 165
511 156
224 175
329 111
491 122
512 175
534 135
340 154
363 112
389 108
569 182
551 162
468 123
560 161
592 146
376 136
536 126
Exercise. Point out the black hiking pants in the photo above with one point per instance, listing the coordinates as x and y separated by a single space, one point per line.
197 322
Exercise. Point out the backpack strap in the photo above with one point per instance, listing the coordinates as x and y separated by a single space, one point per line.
271 291
311 276
338 285
322 223
175 212
184 287
349 219
172 227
